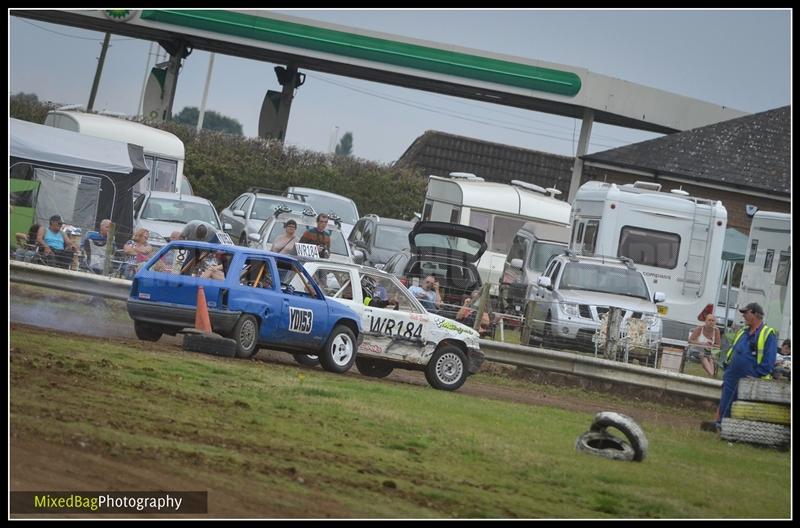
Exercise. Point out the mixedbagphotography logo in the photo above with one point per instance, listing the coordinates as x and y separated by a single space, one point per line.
120 15
164 502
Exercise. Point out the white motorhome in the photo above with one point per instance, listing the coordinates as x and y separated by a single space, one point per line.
767 272
674 239
499 209
163 151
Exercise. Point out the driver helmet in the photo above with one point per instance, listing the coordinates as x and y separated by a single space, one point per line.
368 286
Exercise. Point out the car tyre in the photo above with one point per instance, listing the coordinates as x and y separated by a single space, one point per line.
626 426
307 360
210 344
146 332
339 352
601 443
246 335
447 369
373 368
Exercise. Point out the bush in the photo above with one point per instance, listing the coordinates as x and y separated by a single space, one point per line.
28 107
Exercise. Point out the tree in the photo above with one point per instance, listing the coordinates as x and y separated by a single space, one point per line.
211 120
28 107
345 146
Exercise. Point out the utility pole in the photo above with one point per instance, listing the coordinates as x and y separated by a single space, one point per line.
99 72
139 110
205 94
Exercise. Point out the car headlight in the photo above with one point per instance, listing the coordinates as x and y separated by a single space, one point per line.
570 309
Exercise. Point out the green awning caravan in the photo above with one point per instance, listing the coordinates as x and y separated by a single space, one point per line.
82 178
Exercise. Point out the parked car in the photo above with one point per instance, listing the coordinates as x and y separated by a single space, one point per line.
255 297
161 213
531 249
327 202
272 229
247 213
375 240
576 291
446 251
401 334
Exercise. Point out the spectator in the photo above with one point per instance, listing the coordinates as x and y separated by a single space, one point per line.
752 355
27 248
94 247
285 243
200 231
466 314
319 236
214 266
783 361
702 340
428 294
138 251
58 249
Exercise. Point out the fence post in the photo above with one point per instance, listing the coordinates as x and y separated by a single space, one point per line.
109 249
527 323
481 306
612 332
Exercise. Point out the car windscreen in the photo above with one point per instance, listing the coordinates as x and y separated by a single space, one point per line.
438 241
542 251
603 279
392 237
338 242
179 211
265 208
344 209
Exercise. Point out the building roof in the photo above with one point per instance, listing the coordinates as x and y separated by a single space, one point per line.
751 152
440 153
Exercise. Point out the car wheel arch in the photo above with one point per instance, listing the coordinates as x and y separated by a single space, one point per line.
349 323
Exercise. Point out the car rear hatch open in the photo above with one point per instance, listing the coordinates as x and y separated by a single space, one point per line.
453 241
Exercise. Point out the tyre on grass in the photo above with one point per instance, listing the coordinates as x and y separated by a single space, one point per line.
146 332
307 360
210 344
627 426
603 444
245 334
447 369
373 368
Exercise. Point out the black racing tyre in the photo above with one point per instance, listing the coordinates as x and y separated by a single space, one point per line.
373 368
755 432
601 443
339 352
210 344
246 335
146 332
754 389
447 369
626 426
308 360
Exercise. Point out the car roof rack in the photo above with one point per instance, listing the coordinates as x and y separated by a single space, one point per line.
373 215
264 190
336 219
280 209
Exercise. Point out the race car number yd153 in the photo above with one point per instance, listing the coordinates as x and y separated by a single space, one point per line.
300 320
395 327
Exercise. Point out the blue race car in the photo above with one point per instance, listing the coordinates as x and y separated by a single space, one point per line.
255 297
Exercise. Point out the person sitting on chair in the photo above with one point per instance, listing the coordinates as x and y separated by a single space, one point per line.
703 339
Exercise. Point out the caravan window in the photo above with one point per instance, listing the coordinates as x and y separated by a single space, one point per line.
542 253
648 247
590 237
166 172
784 266
768 260
753 249
503 229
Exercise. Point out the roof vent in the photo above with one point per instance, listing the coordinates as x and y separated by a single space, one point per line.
679 192
465 176
529 186
553 191
648 186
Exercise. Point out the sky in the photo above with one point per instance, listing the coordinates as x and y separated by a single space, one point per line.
737 58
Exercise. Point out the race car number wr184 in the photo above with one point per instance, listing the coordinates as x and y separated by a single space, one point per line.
395 327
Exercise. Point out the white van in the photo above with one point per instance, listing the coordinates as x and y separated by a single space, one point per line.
674 239
499 209
767 272
163 151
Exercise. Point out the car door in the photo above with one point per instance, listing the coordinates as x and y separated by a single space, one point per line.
227 214
544 296
304 321
259 294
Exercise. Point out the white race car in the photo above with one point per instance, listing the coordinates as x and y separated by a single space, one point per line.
398 331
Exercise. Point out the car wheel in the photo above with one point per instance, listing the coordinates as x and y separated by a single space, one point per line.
373 368
145 332
339 352
627 426
243 239
307 360
246 335
447 369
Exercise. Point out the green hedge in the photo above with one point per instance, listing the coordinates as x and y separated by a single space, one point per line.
221 166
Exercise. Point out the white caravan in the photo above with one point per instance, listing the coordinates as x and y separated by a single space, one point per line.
767 272
163 151
674 239
497 208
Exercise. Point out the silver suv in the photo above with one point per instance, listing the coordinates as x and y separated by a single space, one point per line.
574 292
247 213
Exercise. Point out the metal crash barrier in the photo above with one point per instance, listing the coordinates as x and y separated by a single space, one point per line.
576 364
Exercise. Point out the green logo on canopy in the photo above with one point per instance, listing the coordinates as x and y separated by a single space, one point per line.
120 15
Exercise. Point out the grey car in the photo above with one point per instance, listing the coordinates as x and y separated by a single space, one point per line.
161 213
247 213
330 203
375 240
273 228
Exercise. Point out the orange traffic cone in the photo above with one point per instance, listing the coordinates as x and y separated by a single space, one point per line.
201 319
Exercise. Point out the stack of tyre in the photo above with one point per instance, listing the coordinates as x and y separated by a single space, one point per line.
761 415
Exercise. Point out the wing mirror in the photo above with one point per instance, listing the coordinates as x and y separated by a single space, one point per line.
358 256
544 282
238 212
659 297
253 237
227 227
